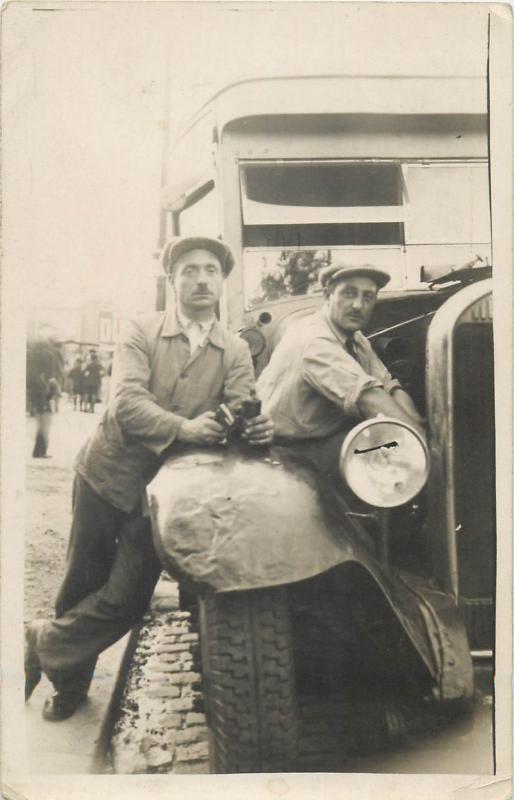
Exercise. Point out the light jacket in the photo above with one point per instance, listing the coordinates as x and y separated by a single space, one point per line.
159 384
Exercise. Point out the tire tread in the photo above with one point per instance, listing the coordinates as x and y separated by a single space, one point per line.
249 681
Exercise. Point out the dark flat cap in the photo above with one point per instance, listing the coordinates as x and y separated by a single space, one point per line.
179 245
339 272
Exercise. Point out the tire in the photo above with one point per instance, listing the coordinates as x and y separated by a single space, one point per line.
249 682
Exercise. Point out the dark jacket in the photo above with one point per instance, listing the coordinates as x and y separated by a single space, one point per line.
77 379
92 376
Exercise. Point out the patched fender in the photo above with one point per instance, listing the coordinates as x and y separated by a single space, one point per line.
228 520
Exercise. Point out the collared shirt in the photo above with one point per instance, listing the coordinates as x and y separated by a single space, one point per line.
196 332
159 384
312 383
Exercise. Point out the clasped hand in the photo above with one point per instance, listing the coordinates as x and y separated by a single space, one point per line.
204 429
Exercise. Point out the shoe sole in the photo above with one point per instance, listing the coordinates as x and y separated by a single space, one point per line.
51 715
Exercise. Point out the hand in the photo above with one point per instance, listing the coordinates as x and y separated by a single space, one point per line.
201 430
258 430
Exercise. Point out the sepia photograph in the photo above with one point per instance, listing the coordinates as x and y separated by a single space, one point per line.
256 398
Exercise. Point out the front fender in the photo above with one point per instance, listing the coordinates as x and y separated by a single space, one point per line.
228 520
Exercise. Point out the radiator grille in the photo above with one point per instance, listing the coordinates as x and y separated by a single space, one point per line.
474 478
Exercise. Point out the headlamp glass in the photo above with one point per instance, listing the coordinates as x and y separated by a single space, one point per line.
384 462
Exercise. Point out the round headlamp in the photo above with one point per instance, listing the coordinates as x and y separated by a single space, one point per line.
384 462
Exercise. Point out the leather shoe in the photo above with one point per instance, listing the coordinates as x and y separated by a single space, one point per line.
31 658
62 705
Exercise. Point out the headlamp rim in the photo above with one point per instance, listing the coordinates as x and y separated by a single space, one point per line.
349 441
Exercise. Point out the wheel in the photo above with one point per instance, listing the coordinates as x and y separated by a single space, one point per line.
249 683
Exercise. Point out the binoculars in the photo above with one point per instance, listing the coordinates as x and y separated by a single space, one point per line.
233 419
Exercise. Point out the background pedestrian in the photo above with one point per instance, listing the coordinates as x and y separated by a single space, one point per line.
54 395
44 362
92 380
76 383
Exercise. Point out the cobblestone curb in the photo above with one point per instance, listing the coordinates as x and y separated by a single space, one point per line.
161 728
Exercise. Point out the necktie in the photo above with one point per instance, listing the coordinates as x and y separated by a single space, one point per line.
350 348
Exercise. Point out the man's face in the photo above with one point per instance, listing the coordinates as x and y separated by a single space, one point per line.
198 280
351 303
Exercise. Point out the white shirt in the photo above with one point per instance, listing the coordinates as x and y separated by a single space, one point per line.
312 383
196 332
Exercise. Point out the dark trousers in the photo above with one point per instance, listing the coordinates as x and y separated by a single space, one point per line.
92 395
111 572
43 422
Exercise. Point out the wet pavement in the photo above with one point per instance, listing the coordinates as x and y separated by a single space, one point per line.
154 722
464 746
162 725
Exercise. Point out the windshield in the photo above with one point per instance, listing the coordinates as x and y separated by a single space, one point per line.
296 216
327 185
327 203
272 274
407 218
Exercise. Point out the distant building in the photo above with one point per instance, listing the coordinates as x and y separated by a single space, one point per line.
78 330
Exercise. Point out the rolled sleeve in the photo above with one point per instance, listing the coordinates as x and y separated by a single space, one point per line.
135 408
377 368
336 375
392 384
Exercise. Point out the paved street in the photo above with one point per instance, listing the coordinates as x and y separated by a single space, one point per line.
68 747
463 746
48 507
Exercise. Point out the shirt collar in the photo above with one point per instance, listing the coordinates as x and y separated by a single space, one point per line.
186 323
339 334
172 327
358 337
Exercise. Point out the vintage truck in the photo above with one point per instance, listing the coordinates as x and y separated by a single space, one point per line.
347 573
329 570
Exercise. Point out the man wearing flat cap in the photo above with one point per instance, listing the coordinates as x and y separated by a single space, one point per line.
324 372
173 369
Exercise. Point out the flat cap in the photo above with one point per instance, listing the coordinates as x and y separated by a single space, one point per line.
179 245
339 272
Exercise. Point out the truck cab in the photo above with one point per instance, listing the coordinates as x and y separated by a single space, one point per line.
306 582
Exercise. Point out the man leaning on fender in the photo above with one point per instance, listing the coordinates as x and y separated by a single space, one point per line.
174 368
324 371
